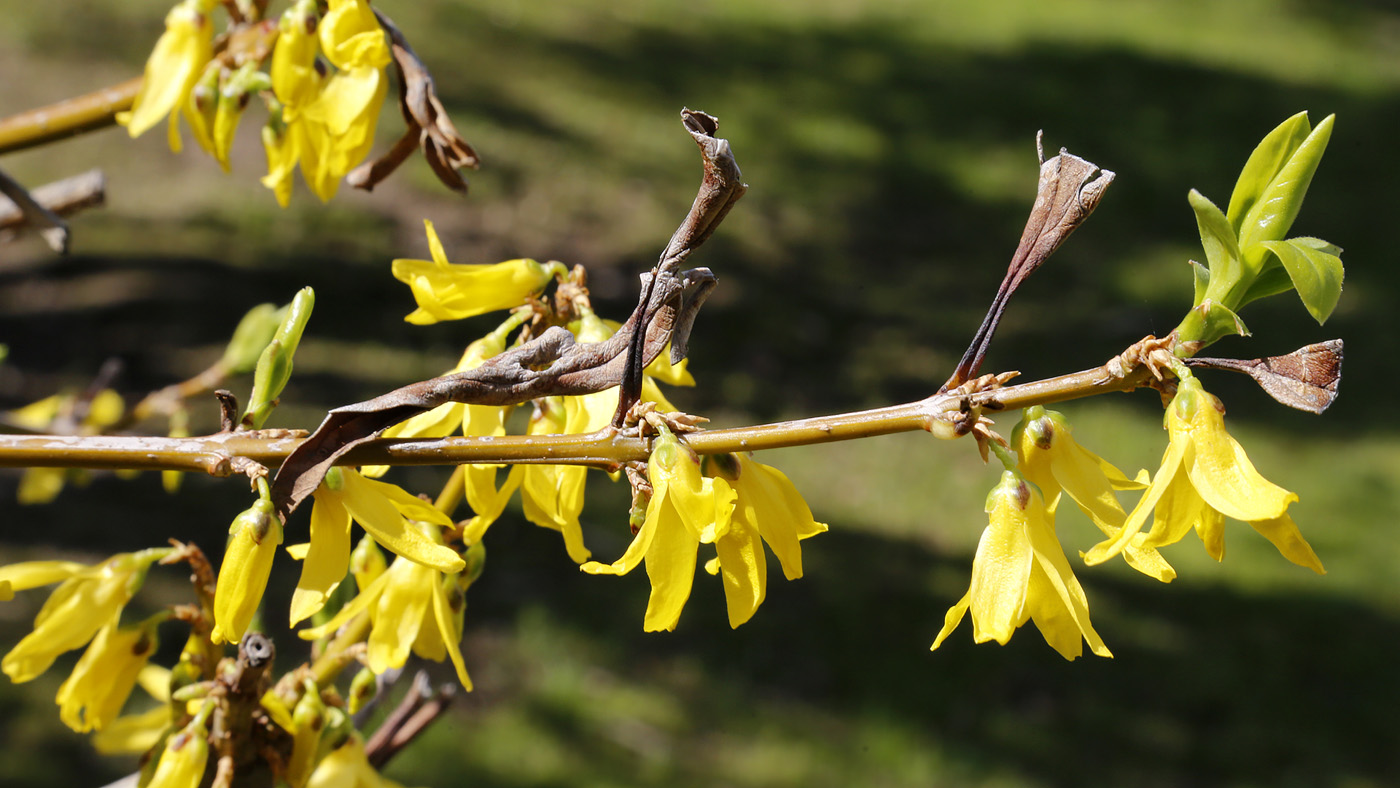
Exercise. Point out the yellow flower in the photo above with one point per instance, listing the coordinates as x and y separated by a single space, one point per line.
172 69
386 512
1020 574
412 607
295 80
340 120
552 495
1054 461
185 755
105 675
767 505
88 599
1205 477
138 733
348 767
243 575
444 291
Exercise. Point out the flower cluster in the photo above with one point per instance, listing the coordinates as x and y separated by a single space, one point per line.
1020 572
320 69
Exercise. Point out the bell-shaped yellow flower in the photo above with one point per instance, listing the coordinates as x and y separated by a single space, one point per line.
769 509
412 607
340 120
295 80
386 512
94 693
134 734
185 756
444 291
1205 477
255 533
172 69
1020 574
685 509
1054 461
347 766
88 599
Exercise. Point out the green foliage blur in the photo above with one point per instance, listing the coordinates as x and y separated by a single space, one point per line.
889 149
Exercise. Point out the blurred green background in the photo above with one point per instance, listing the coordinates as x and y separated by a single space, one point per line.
889 149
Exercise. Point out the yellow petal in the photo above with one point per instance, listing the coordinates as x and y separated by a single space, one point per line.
1055 600
1290 542
327 560
32 574
743 567
133 734
951 619
380 509
1002 565
769 501
363 603
399 614
174 65
1137 518
670 564
451 634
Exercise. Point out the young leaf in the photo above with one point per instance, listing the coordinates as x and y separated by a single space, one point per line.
1201 276
1264 163
1271 216
1273 281
1218 239
1316 272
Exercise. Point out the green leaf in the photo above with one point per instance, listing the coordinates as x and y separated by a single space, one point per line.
1264 163
1218 239
1273 281
1209 322
1316 271
1272 215
1201 275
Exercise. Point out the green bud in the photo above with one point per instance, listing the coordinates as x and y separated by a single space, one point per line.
254 331
363 688
275 365
476 562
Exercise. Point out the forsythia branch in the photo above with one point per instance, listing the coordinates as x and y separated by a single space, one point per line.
608 448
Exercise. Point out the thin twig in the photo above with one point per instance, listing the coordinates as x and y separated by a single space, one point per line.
608 449
89 112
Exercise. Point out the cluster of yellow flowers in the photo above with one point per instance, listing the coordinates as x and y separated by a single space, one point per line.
1020 572
320 118
415 604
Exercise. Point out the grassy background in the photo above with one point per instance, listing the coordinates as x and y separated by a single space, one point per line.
889 147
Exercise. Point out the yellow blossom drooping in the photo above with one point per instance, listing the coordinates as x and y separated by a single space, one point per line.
186 754
1020 574
88 599
767 506
386 512
684 509
552 495
445 291
138 733
340 121
1205 477
348 767
172 69
243 575
412 607
1054 461
102 680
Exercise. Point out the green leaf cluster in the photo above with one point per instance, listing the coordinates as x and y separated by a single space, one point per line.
1248 256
